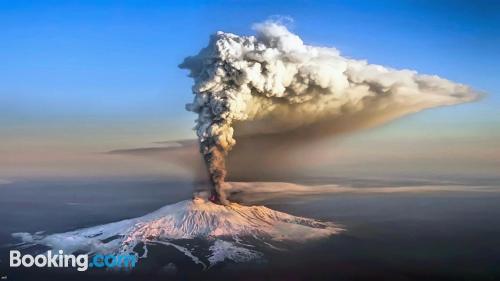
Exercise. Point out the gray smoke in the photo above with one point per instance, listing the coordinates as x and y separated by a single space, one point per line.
273 83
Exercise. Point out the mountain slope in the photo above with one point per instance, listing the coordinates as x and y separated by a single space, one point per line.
227 228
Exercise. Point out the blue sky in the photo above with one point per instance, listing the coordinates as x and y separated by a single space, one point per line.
103 74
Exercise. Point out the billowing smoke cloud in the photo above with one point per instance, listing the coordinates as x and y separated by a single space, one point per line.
273 83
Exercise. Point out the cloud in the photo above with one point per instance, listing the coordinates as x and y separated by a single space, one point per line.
274 84
252 192
5 181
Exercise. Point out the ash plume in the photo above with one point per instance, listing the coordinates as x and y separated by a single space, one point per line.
274 84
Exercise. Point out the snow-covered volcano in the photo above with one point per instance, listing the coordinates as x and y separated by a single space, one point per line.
231 230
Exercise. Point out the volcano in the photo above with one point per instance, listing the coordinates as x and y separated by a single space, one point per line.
233 231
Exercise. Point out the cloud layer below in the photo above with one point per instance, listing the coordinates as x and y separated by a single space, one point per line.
252 192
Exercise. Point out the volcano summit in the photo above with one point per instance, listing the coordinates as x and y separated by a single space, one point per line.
232 231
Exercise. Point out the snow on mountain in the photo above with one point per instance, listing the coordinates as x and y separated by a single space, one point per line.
225 227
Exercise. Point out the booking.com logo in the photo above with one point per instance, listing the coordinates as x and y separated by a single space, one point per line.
81 262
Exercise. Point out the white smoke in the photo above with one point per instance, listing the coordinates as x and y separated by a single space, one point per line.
258 192
274 83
